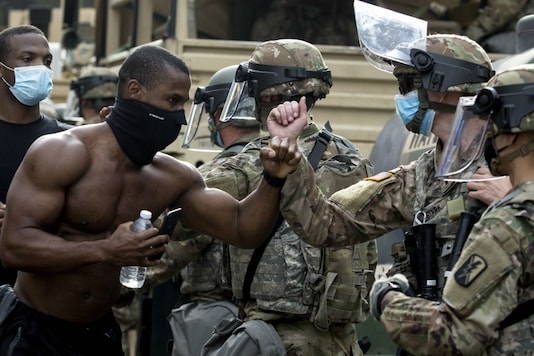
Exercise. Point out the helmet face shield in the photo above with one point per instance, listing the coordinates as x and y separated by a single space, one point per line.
198 134
466 139
239 105
387 36
72 108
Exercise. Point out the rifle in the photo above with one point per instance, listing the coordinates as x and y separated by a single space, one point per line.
467 221
420 245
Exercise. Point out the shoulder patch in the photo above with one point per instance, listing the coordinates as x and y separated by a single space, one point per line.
380 176
470 270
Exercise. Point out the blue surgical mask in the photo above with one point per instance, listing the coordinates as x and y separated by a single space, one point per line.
407 106
32 83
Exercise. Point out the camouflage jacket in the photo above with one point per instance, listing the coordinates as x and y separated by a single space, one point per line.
290 276
400 198
494 274
374 206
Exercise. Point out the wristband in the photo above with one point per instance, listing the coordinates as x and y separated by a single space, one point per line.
275 182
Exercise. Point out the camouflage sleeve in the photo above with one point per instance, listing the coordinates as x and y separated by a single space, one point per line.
495 16
176 256
233 179
481 292
359 213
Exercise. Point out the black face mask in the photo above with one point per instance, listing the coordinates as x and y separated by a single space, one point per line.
142 129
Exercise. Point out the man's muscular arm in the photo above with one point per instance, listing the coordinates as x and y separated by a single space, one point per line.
29 240
245 223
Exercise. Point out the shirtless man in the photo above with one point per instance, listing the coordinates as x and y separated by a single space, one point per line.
71 204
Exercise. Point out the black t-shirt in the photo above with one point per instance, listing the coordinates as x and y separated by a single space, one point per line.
15 139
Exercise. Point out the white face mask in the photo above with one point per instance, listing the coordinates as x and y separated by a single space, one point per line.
32 83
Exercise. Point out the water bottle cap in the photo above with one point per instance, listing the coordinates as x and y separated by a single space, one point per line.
145 214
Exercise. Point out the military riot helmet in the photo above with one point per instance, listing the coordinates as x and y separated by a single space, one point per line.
213 95
288 68
284 69
96 83
398 43
210 100
449 63
504 106
508 100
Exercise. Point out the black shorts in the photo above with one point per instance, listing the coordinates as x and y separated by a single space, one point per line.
27 332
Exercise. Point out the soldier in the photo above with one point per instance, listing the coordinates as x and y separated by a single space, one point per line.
410 195
311 296
95 89
487 304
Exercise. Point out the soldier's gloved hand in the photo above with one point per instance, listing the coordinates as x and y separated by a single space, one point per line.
397 282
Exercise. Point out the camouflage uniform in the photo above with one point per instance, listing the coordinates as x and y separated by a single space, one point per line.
487 300
406 196
205 278
468 322
311 296
294 282
290 303
377 205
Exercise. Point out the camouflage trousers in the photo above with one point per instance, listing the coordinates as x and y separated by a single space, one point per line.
302 338
128 317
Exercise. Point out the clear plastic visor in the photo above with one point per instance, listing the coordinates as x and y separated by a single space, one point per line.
464 144
387 36
238 105
198 135
72 108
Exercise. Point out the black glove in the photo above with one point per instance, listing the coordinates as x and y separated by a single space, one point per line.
398 283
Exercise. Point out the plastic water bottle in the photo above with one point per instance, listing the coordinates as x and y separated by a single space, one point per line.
134 276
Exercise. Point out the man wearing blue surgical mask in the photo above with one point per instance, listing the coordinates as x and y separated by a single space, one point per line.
409 197
26 79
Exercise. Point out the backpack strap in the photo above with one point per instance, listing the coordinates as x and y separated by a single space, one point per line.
522 311
323 139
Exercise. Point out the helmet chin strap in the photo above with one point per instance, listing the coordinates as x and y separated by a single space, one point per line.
440 106
507 158
424 105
